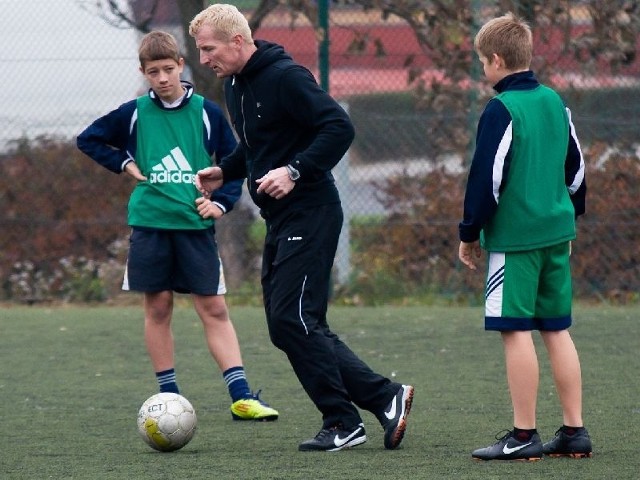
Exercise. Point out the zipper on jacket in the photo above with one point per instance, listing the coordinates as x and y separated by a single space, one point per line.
244 121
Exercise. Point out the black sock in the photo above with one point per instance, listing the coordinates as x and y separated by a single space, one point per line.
523 435
571 430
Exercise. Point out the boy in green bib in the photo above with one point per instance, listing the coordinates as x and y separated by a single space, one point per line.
525 188
161 139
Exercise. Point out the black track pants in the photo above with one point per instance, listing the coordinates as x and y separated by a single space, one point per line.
299 250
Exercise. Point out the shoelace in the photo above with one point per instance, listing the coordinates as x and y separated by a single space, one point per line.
323 433
256 396
505 434
328 431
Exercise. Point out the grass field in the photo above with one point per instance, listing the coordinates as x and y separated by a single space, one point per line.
73 379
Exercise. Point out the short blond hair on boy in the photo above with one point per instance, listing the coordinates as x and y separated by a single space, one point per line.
510 38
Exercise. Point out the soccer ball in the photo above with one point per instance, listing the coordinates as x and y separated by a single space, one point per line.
166 421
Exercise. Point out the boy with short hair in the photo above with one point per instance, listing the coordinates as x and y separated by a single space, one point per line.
525 188
161 139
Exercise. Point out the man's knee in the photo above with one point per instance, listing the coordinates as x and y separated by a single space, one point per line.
285 334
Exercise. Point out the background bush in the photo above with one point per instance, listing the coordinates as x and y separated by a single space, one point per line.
60 242
407 255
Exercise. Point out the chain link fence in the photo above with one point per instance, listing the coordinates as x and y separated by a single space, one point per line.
406 73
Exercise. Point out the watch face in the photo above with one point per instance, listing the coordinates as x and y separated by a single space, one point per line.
293 173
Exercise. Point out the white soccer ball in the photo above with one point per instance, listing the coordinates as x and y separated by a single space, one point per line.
167 421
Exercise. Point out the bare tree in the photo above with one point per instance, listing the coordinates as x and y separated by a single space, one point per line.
443 29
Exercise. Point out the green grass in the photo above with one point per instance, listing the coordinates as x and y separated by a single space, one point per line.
73 379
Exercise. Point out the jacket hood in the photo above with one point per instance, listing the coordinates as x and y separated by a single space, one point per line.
267 54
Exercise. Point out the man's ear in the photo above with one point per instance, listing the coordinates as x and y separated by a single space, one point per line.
238 40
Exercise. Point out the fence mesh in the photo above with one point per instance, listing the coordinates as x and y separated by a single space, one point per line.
407 74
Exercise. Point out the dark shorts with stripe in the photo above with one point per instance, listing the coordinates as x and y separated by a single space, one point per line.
185 261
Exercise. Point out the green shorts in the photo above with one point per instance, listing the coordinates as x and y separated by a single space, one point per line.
529 290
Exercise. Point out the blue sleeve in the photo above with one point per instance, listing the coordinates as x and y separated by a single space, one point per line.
574 171
220 143
493 149
111 139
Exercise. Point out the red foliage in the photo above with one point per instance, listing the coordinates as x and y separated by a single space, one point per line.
57 203
414 249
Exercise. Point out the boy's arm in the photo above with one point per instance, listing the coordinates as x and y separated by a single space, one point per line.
574 170
107 139
489 167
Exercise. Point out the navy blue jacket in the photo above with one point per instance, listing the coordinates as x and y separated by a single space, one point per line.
480 204
111 140
282 116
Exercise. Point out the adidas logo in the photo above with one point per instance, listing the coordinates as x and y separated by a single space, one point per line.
174 168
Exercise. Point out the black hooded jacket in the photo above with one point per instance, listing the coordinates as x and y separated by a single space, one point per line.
282 116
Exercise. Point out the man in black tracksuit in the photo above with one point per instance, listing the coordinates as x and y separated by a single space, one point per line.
292 133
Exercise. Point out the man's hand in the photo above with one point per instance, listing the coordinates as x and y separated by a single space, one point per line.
132 169
467 251
208 179
208 209
276 183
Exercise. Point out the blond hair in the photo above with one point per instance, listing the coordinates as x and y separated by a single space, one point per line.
508 37
225 20
158 45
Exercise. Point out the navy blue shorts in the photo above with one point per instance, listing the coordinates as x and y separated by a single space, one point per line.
185 261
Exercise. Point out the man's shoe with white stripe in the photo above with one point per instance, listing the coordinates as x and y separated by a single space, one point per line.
394 417
334 439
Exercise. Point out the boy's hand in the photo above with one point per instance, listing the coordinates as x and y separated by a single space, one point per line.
132 169
208 179
466 252
208 209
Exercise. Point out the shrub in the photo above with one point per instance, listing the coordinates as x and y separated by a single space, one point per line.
62 215
412 253
606 260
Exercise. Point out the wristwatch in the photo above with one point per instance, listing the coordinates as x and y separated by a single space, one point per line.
294 174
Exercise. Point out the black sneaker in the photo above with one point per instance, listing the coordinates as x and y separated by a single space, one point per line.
334 439
394 417
510 448
577 445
